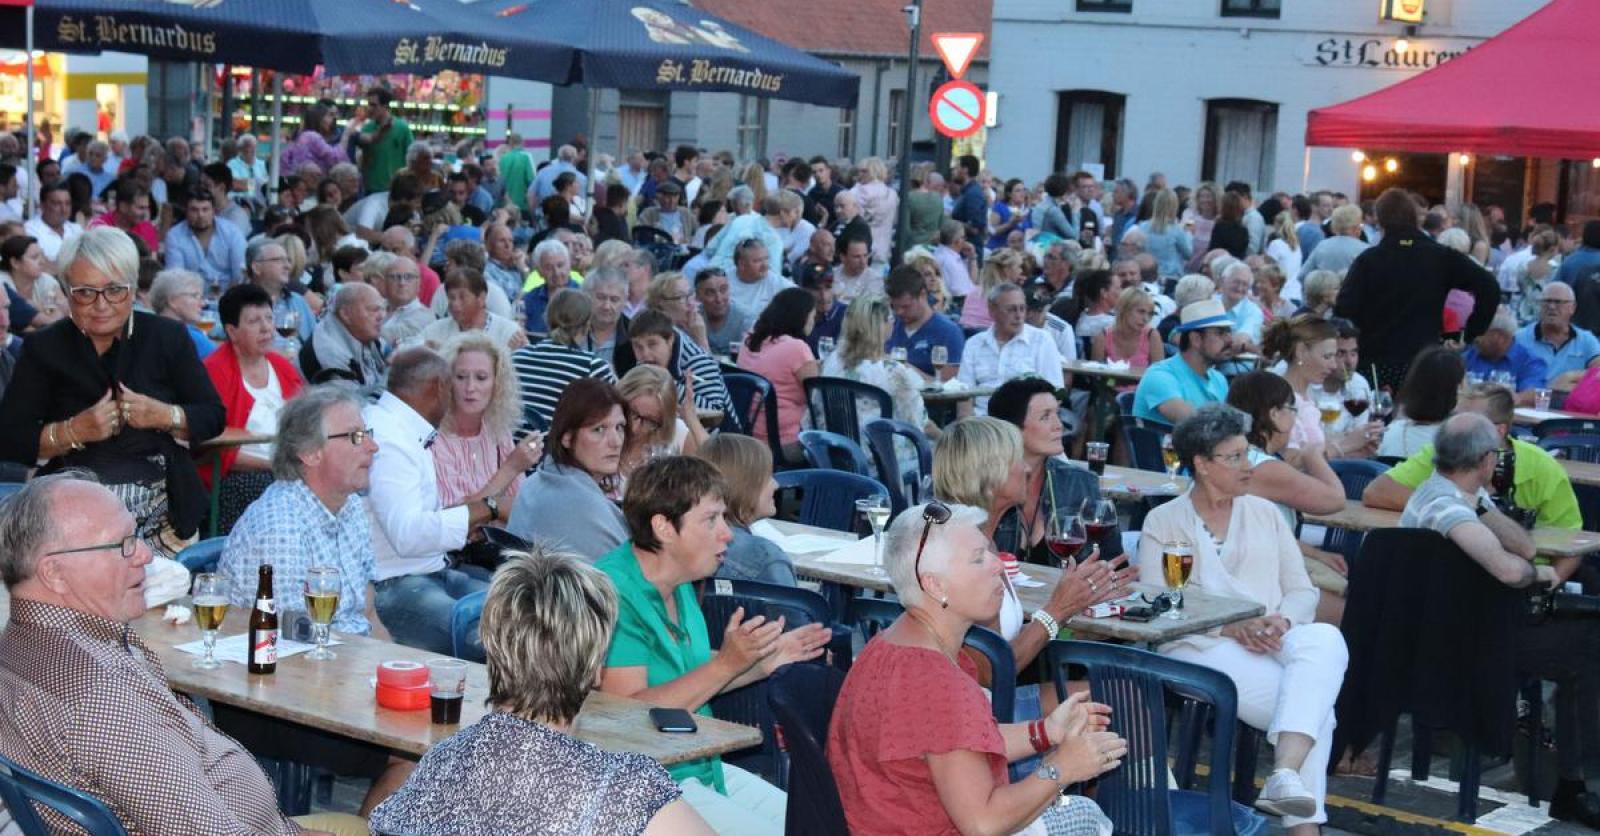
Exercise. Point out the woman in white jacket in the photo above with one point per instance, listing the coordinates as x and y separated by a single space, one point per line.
1288 669
880 205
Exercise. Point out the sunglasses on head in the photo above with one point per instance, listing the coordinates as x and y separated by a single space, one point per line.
934 513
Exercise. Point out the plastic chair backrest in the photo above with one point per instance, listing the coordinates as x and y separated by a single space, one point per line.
21 789
748 392
464 618
1141 436
831 451
1574 447
748 705
1355 474
9 488
1567 426
1588 505
828 497
832 402
202 555
872 615
1137 684
801 698
905 487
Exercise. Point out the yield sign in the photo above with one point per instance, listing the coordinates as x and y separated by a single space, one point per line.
957 49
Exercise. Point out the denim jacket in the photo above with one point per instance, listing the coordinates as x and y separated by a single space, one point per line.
1066 486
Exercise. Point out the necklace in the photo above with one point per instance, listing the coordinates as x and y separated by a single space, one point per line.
922 622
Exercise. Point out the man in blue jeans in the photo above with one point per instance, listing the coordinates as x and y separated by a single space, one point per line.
417 586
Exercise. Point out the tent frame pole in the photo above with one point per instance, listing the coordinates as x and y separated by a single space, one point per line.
275 170
31 153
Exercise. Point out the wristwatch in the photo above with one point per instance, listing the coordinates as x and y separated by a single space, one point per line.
493 505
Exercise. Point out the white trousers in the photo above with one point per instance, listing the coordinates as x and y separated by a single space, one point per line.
1292 690
752 806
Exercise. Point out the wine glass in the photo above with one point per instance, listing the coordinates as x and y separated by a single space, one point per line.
287 322
1099 518
939 355
876 510
1169 456
1382 404
322 601
1065 536
1177 562
210 607
825 346
898 354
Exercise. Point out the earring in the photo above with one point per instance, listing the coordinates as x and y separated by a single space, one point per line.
944 603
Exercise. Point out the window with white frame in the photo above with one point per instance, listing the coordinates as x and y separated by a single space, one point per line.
1241 135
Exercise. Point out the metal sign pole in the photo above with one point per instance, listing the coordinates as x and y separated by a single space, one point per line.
902 226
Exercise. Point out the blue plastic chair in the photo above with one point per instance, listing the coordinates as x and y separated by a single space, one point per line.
1141 436
833 403
21 789
1137 685
801 699
747 392
831 451
202 555
1567 426
872 615
1355 475
464 618
828 497
748 705
1574 447
9 488
905 487
1588 505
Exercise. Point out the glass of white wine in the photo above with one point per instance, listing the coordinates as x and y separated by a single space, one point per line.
876 510
322 601
939 355
210 607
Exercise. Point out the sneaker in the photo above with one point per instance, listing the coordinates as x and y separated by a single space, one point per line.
1286 795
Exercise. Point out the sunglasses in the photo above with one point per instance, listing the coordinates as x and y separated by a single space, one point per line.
934 513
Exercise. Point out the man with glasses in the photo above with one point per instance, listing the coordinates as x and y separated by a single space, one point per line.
1566 349
312 515
1009 348
89 703
1172 389
268 268
397 277
206 244
1496 354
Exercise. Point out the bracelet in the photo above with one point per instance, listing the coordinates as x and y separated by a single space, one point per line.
177 418
1038 737
50 435
72 437
1047 621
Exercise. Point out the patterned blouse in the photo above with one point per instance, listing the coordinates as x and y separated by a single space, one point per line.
562 785
464 464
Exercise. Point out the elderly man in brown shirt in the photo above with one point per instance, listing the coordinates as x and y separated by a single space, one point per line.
88 702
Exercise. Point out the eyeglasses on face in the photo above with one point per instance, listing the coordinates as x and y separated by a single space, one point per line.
401 277
1236 461
127 546
934 513
357 437
113 293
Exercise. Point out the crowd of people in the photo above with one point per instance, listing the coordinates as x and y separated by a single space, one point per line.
387 354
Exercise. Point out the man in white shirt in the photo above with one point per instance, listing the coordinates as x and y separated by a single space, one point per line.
50 227
854 277
417 586
754 283
399 281
1009 348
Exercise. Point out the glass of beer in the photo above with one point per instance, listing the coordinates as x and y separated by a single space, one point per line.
1177 561
322 601
1169 455
210 607
448 678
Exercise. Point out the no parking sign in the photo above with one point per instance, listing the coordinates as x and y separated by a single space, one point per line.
957 109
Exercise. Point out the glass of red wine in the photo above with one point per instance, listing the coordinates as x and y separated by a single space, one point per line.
1065 536
1355 405
1099 519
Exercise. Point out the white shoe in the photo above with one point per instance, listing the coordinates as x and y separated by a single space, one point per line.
1286 795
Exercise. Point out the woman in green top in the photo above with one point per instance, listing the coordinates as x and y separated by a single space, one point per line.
661 652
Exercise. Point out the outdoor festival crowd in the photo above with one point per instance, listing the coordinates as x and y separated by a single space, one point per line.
402 346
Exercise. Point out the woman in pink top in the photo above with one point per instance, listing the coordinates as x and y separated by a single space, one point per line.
474 453
1130 338
776 349
1001 266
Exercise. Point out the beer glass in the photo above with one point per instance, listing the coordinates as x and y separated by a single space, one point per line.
210 607
322 601
1169 455
1177 562
448 688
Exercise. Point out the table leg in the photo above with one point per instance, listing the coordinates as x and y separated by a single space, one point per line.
216 491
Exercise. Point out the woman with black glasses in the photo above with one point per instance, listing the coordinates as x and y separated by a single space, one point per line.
113 391
913 745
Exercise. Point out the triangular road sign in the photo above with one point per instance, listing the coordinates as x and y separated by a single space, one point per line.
957 49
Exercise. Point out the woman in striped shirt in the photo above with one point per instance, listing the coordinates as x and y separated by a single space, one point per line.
475 446
546 368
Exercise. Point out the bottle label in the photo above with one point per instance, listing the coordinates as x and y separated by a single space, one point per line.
264 647
269 605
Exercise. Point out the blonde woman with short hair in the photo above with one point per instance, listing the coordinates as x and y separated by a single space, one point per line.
860 357
746 467
922 259
1000 267
1165 238
1283 247
547 622
475 454
880 205
662 422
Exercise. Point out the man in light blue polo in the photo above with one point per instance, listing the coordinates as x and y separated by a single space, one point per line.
1565 348
1172 389
206 244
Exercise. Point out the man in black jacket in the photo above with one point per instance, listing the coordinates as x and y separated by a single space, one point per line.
1395 291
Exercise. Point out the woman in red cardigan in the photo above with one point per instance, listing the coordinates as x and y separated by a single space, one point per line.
254 382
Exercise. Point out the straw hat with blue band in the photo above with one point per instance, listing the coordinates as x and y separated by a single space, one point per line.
1206 313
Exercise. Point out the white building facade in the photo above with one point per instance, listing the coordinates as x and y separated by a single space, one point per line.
1208 89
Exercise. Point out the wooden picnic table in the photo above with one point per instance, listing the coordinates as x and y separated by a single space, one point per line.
1551 542
954 396
1101 370
337 696
212 448
1133 484
1582 473
1203 611
1530 417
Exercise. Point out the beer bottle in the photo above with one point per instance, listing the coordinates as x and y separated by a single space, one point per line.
263 651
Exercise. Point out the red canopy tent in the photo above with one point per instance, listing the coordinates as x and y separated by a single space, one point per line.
1526 92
